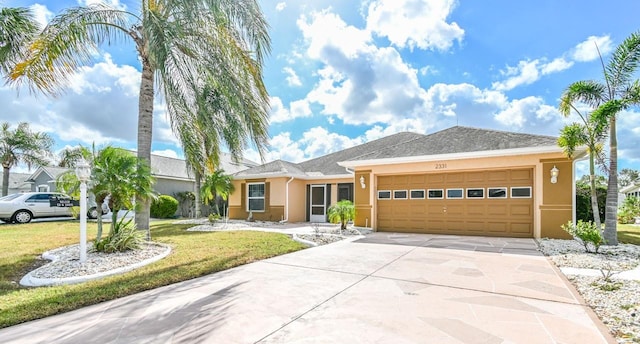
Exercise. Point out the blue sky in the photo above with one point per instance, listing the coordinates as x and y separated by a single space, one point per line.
345 72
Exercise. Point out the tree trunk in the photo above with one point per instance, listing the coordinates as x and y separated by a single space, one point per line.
198 200
5 180
611 210
594 194
145 125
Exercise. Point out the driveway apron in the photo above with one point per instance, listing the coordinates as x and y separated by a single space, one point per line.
384 288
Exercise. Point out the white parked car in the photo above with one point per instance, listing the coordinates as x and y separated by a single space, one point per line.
23 207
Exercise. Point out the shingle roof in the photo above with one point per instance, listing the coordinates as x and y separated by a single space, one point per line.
457 139
17 180
460 140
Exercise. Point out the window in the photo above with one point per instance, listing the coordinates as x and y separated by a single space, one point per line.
399 194
255 197
345 191
43 188
436 193
416 194
521 192
475 193
454 193
39 198
385 194
497 192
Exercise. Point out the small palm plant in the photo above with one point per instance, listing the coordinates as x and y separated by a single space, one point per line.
343 212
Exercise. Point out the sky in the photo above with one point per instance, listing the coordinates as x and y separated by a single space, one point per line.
342 73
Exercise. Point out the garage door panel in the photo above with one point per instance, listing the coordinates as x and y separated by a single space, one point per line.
521 210
486 216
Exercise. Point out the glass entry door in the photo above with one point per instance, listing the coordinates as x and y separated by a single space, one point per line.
317 206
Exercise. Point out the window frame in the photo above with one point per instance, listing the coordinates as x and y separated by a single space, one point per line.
521 187
263 198
418 190
385 198
461 193
506 192
406 194
429 194
467 193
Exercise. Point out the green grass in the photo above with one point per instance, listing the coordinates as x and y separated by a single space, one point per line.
193 254
629 234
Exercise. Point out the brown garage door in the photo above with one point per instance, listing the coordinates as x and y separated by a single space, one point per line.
498 203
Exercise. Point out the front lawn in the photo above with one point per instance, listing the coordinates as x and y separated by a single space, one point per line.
193 254
629 234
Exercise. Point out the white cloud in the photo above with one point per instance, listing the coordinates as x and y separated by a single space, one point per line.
557 65
41 14
281 6
280 113
283 147
292 77
586 51
169 153
521 111
524 74
112 3
318 142
423 23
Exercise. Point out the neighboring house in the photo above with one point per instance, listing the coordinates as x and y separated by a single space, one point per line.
628 191
461 180
171 174
18 183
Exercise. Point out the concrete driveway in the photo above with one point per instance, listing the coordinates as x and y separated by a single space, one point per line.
385 288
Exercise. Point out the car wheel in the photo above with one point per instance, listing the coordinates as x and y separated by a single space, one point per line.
22 216
92 213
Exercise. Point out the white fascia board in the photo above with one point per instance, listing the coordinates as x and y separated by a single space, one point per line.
453 156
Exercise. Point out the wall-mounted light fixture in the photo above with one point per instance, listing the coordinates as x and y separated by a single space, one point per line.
554 174
362 184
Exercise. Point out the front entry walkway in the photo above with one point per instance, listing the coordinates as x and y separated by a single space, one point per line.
385 288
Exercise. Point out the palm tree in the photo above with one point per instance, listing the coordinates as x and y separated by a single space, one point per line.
17 28
217 185
69 157
184 47
618 92
588 133
342 212
21 145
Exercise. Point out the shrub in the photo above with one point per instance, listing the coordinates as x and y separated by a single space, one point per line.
213 218
124 237
342 212
585 232
164 207
629 210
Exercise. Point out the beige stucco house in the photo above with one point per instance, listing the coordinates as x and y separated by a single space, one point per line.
464 181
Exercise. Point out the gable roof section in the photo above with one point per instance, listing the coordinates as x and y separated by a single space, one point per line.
326 165
51 171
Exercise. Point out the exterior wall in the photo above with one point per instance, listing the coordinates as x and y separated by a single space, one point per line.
552 202
171 187
363 199
557 199
276 208
44 179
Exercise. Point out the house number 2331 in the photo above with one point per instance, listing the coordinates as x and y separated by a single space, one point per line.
441 166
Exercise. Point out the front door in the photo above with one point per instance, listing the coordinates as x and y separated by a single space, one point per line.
317 204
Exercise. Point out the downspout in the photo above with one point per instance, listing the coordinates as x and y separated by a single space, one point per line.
286 201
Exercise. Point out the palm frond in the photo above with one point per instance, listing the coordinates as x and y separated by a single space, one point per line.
69 41
17 29
624 63
589 92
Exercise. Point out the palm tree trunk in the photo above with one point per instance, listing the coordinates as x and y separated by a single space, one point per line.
611 212
5 180
197 201
594 194
145 124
